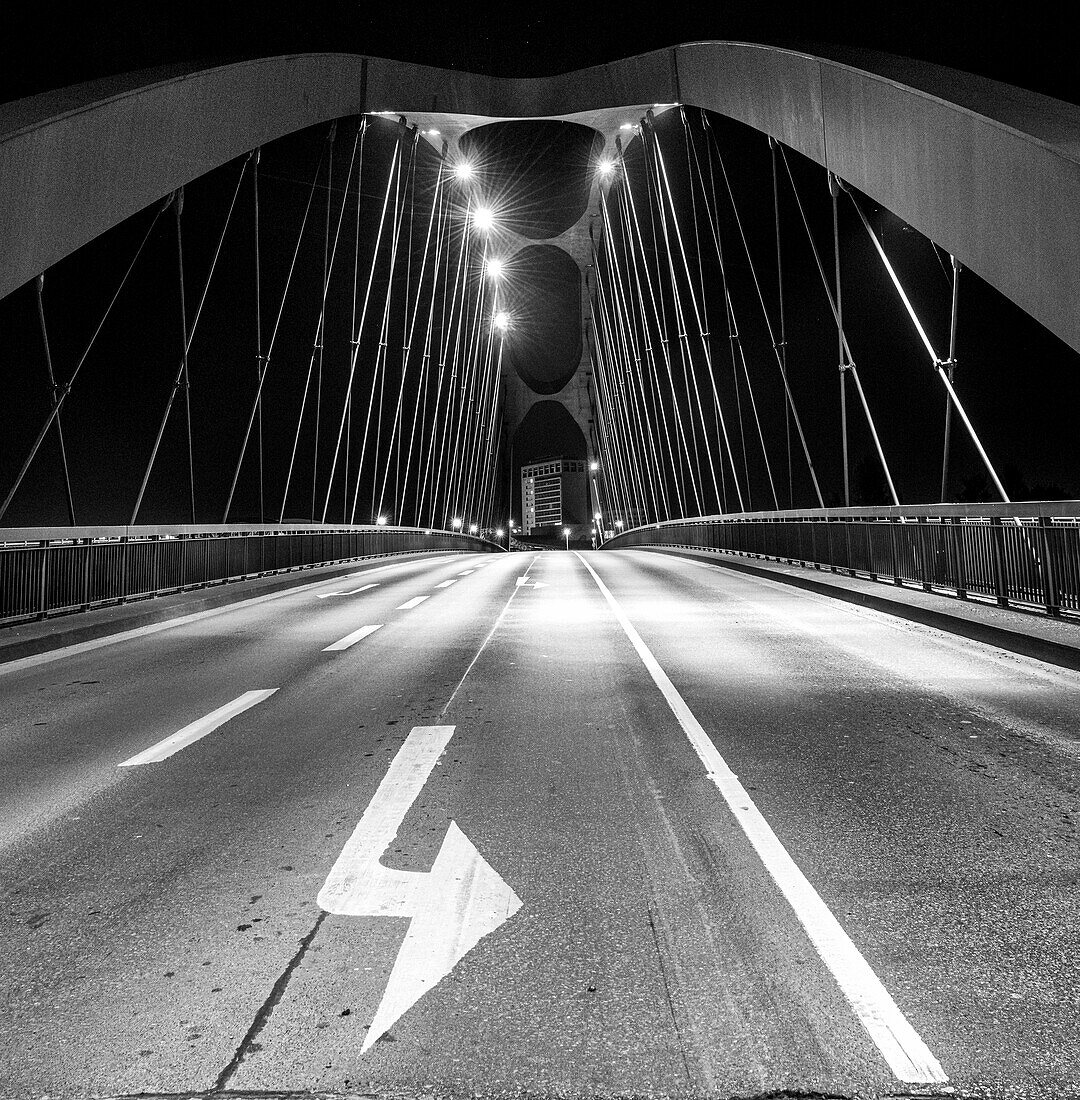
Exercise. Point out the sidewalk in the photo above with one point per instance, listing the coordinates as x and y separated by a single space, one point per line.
43 635
1030 633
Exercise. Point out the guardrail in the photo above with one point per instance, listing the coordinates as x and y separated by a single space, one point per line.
45 572
1016 555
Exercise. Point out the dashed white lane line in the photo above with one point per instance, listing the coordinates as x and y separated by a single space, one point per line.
198 729
446 584
353 638
901 1045
408 605
350 592
466 572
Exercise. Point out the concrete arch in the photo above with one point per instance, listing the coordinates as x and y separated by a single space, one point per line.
990 172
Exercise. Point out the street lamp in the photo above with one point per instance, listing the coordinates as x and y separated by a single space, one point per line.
566 534
594 466
501 320
381 521
483 218
456 523
472 528
495 268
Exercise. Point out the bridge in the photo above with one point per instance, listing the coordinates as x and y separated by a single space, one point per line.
336 765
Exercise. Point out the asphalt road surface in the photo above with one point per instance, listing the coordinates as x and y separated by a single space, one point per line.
608 824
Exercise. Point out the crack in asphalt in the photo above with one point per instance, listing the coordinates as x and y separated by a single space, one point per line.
259 1022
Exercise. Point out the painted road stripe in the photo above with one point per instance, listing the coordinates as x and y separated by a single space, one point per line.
408 605
466 572
350 592
353 638
908 1056
446 584
197 730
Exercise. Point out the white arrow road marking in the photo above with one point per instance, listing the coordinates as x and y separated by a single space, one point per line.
451 907
908 1056
198 729
524 582
408 605
353 638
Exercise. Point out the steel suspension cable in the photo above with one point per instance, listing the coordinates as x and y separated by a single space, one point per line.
65 390
631 351
357 330
937 362
613 374
635 242
846 358
780 308
318 344
768 322
660 167
265 362
706 335
438 210
378 378
40 285
663 329
442 263
409 333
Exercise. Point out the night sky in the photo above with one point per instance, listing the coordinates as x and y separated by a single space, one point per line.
1026 387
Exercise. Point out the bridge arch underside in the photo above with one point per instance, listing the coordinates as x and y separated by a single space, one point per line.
987 171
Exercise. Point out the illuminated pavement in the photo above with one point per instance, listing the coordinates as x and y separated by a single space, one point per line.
664 829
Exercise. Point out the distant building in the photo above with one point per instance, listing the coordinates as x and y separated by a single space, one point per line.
554 494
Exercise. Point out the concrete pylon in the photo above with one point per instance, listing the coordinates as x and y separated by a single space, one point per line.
445 131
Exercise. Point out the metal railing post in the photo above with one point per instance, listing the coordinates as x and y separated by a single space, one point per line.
1047 570
997 540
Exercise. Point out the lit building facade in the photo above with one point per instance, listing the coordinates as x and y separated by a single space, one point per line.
554 493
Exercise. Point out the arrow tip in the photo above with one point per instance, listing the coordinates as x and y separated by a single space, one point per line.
465 899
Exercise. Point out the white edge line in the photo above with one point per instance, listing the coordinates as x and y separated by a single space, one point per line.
198 729
908 1056
353 638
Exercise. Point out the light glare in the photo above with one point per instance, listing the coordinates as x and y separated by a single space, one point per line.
483 218
502 320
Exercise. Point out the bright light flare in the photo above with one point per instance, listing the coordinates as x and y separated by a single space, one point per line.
464 170
483 218
501 320
606 167
381 521
456 523
499 532
495 268
472 528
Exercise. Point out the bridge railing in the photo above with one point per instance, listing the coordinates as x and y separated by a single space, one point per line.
1024 555
52 571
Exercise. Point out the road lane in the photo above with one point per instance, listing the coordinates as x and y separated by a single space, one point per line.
163 920
927 786
129 883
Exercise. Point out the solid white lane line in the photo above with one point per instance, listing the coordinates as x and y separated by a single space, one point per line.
353 638
446 584
902 1047
198 729
408 605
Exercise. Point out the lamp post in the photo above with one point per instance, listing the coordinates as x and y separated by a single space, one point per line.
566 535
509 532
